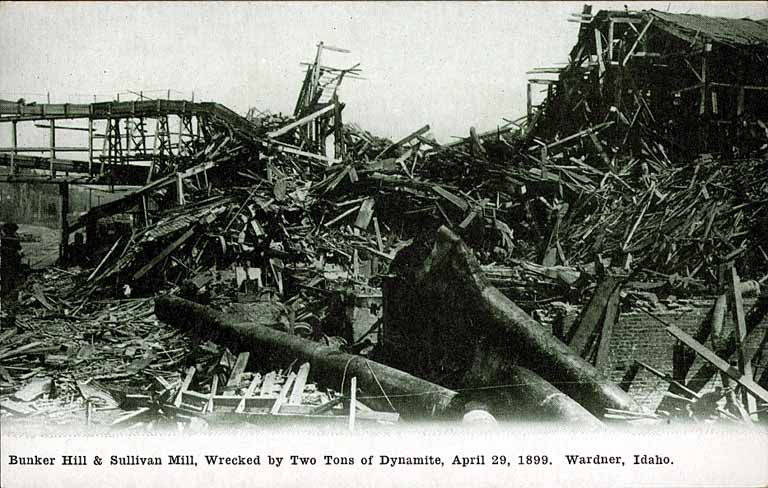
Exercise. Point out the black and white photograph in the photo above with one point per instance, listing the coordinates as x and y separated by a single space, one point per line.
384 244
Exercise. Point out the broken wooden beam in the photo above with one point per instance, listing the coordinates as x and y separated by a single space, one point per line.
722 365
753 318
404 140
298 123
601 311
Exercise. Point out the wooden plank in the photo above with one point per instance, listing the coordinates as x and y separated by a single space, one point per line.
35 389
268 385
47 149
164 254
248 393
283 394
590 321
20 350
459 202
63 222
180 189
599 51
304 120
352 402
405 139
344 214
365 214
209 407
600 149
637 41
125 202
468 220
745 365
299 152
237 371
298 388
129 416
184 385
379 242
668 379
610 41
579 134
719 363
104 260
18 408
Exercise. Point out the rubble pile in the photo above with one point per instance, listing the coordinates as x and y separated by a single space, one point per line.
285 221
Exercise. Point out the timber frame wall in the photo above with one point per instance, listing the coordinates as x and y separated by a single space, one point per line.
702 92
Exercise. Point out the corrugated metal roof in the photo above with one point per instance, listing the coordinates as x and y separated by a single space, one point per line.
732 32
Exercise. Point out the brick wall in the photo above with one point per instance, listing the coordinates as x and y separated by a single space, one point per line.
639 336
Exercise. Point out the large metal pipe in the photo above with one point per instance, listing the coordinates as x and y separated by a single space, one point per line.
517 393
411 396
449 301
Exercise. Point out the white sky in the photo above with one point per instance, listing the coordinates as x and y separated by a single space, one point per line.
451 65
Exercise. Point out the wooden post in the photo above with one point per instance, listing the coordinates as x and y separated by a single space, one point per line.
63 224
740 101
338 137
704 80
745 365
144 210
14 137
15 144
352 402
180 188
610 42
599 52
529 103
106 146
128 138
90 147
52 144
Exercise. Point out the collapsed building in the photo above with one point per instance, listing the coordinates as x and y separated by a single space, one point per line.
503 271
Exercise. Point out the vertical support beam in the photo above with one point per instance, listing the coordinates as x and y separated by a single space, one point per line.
90 147
600 60
52 144
180 144
180 188
704 80
15 144
338 136
529 102
352 402
63 224
745 365
106 149
610 42
144 210
740 101
128 138
14 136
315 72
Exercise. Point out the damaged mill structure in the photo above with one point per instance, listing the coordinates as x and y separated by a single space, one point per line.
600 259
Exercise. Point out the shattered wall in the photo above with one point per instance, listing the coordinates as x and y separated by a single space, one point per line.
639 336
